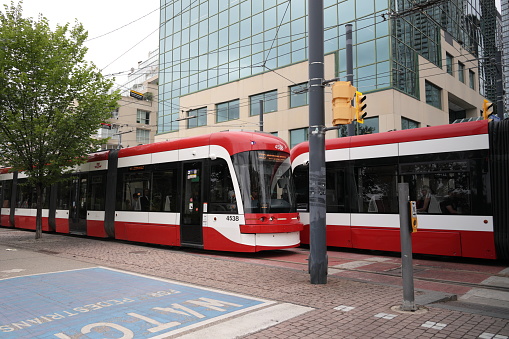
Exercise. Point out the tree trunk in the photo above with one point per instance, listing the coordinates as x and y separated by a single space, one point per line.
38 220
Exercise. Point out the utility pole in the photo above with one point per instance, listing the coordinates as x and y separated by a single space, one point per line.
318 261
261 115
407 272
349 70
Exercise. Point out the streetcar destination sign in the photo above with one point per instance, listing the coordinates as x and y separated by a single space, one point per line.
105 303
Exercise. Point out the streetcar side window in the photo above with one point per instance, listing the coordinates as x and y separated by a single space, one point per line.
164 192
63 194
335 189
7 193
442 187
376 189
3 196
301 180
97 191
27 195
222 194
134 189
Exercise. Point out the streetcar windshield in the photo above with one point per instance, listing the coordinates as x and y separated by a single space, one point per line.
266 182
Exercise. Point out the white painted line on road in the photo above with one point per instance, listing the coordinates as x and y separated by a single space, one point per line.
354 264
378 259
249 323
14 270
434 325
487 335
344 308
386 316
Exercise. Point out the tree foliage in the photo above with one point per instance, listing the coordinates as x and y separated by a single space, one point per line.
52 101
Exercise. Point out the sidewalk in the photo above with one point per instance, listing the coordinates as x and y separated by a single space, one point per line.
277 302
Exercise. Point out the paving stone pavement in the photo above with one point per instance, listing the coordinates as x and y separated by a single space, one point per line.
342 308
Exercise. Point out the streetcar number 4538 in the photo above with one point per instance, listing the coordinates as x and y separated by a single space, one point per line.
232 218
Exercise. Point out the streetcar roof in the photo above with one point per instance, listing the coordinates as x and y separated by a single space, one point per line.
416 134
233 141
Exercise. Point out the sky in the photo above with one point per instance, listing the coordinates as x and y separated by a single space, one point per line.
102 16
116 52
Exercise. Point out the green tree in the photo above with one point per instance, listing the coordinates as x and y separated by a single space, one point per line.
51 100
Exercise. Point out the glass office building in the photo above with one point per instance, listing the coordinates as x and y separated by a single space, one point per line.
208 43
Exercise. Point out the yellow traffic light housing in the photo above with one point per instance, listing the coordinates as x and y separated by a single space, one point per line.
360 106
342 110
486 106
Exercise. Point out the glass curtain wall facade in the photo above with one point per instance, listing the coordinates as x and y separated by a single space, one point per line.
505 49
469 22
207 43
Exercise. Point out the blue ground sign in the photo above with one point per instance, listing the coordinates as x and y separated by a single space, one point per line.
104 303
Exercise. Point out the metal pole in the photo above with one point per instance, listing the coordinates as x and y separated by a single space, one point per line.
407 271
261 115
500 86
318 247
349 69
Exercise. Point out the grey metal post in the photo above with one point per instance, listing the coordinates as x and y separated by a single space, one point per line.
318 248
500 86
349 70
407 271
261 115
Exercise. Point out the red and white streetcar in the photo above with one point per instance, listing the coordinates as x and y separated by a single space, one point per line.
457 173
227 191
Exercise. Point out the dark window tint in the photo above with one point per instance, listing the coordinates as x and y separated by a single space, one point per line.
97 191
164 193
448 187
301 179
27 195
335 189
222 195
63 194
376 189
134 183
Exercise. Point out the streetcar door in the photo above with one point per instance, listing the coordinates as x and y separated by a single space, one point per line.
192 209
78 206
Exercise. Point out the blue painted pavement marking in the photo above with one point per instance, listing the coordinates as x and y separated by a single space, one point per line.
104 303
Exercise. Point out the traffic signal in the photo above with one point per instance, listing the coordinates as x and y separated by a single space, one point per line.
360 107
342 110
486 109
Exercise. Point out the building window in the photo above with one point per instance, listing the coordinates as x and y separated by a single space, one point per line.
448 63
471 79
142 136
143 117
298 135
227 111
269 102
370 126
197 117
408 124
298 95
433 95
461 72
